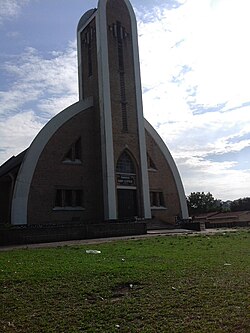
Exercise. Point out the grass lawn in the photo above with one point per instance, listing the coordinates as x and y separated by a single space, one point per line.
161 284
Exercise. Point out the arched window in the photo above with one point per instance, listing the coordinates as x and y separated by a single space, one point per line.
74 153
151 164
125 164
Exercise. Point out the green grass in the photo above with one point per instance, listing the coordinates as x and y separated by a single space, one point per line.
162 284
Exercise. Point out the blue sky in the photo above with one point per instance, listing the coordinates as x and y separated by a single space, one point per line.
195 72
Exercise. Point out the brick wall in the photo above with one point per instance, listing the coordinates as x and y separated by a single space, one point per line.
53 233
162 180
51 173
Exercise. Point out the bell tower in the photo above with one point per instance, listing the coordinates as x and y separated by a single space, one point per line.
108 61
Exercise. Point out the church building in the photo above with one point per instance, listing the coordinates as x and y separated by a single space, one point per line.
98 160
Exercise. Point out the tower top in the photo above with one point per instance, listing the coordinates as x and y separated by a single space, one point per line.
93 29
101 4
83 20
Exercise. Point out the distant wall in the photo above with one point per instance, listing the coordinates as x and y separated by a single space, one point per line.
229 224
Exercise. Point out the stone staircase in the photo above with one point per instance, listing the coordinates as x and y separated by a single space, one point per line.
155 224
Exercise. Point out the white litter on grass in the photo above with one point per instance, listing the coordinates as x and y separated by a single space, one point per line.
173 288
93 251
226 264
117 326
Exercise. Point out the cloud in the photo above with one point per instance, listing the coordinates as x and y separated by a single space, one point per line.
11 8
42 87
203 40
45 82
13 34
222 179
195 78
17 132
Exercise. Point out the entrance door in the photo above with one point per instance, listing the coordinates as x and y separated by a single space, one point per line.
127 203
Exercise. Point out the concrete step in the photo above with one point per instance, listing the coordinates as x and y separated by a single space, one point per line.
158 225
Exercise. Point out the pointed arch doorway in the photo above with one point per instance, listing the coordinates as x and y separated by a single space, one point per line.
126 187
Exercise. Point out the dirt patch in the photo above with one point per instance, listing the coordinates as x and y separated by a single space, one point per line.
124 289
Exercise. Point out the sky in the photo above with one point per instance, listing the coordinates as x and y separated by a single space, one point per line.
195 71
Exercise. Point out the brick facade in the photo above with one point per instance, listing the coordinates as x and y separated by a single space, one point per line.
85 188
122 87
52 173
161 179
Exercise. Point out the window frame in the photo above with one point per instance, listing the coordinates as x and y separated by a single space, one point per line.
157 199
128 167
66 199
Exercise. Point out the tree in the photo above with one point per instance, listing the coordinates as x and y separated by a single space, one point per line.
200 202
240 204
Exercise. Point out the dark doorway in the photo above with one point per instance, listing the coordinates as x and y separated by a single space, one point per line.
127 203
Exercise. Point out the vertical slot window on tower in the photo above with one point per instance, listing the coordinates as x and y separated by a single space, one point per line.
120 45
119 33
124 117
89 38
90 67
